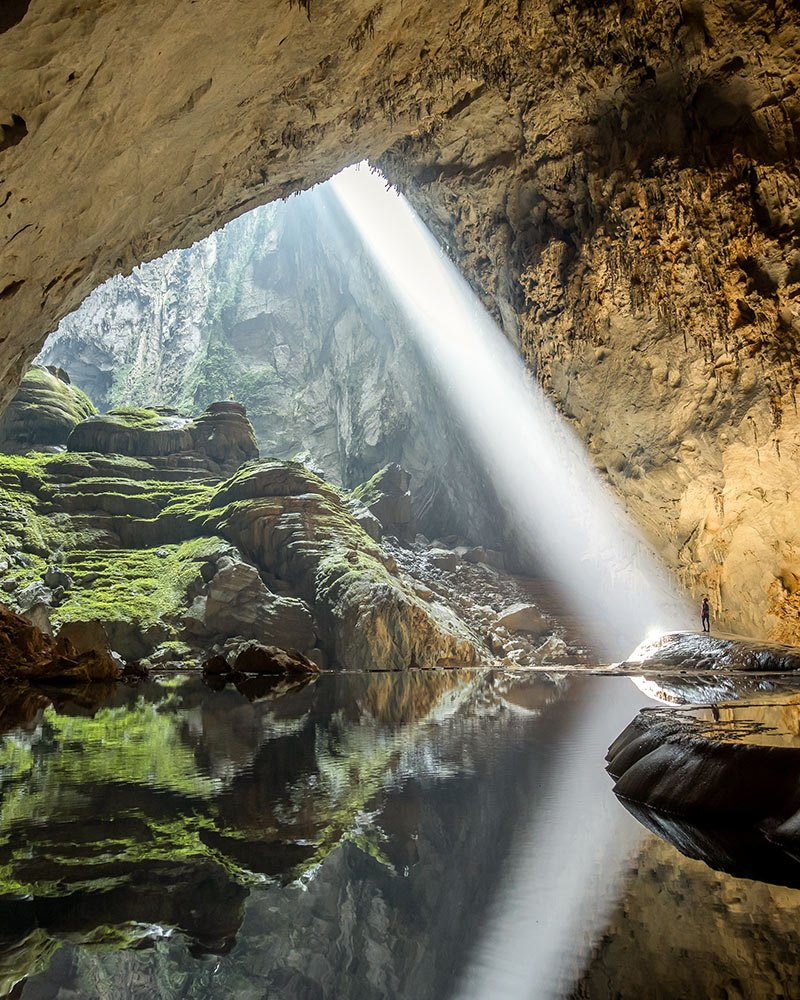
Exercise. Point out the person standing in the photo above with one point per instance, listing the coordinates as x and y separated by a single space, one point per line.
705 614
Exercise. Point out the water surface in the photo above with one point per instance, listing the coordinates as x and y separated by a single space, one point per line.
421 835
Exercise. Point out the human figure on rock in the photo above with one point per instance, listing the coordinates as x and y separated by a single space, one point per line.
705 614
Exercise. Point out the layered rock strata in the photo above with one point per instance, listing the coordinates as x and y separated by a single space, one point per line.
222 437
45 409
172 559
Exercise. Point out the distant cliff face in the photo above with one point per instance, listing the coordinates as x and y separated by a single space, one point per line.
284 311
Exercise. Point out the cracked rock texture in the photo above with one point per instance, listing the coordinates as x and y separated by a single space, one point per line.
619 180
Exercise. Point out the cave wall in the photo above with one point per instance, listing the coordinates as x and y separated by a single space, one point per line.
618 179
626 198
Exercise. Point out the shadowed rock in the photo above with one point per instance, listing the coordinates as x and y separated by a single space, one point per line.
388 497
28 653
721 783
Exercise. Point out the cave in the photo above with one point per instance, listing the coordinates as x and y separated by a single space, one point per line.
257 577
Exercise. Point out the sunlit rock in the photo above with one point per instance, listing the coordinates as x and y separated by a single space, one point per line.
523 618
172 560
698 652
45 409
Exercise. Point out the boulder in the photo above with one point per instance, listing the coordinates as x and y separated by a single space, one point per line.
523 618
489 557
237 601
444 559
216 665
225 435
44 411
81 637
26 653
388 497
693 651
255 658
720 782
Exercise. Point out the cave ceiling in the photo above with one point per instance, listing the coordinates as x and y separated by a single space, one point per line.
618 180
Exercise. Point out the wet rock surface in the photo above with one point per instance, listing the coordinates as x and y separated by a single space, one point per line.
691 651
719 782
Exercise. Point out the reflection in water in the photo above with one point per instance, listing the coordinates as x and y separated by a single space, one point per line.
364 836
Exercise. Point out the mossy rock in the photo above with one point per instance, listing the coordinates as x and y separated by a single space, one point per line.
43 412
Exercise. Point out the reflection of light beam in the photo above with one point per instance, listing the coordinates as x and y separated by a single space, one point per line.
539 469
565 869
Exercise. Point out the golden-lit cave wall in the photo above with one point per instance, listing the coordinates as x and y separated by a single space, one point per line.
617 179
626 197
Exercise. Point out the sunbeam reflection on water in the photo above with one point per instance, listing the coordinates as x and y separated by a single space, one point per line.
558 506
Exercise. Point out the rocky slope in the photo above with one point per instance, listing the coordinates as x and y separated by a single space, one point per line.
284 310
177 562
619 180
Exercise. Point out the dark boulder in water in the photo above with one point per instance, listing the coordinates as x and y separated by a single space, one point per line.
720 782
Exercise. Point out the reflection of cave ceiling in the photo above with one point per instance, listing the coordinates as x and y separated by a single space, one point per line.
618 179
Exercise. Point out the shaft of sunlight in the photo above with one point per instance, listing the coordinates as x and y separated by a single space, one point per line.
555 499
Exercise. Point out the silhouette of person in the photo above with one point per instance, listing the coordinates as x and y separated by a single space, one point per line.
705 614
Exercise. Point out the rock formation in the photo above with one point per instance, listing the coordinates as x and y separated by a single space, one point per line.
43 412
718 782
26 653
285 310
173 560
619 180
221 438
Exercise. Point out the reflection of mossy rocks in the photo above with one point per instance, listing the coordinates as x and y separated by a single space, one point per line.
222 435
44 411
388 496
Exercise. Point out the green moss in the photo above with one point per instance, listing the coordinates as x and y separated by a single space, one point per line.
139 586
133 416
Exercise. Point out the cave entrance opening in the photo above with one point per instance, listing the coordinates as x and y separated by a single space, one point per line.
353 342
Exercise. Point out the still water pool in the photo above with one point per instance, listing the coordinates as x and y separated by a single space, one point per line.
422 835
